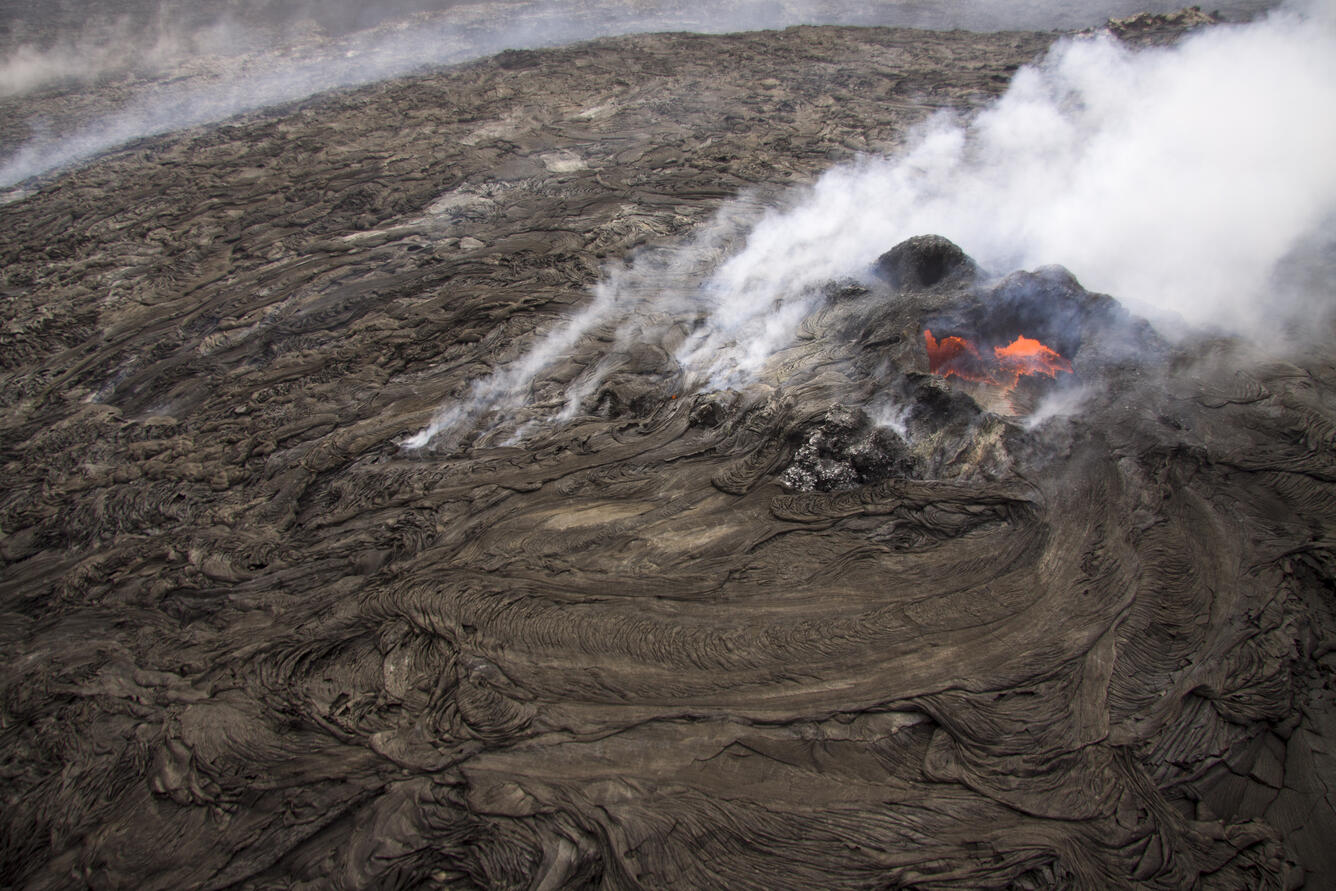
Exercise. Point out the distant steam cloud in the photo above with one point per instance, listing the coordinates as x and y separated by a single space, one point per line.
1177 179
211 84
257 53
117 47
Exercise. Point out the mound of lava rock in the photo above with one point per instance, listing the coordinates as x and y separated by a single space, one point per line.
895 618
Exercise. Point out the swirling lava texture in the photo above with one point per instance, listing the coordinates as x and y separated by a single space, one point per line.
739 639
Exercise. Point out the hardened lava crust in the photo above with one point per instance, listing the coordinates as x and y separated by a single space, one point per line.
865 624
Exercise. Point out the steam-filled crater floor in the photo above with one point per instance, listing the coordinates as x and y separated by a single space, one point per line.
855 622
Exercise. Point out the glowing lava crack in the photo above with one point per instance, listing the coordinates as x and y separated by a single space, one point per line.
959 356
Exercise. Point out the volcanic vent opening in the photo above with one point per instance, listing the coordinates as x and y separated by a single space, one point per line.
1028 335
1003 366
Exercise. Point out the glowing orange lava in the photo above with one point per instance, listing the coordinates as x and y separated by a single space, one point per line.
1024 355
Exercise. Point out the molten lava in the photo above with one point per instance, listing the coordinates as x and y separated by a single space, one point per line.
1024 355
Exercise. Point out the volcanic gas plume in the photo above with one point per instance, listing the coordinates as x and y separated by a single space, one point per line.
678 461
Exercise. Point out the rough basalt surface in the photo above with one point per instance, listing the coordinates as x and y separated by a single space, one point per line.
760 638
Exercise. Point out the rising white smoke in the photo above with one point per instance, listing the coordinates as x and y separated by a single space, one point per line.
1174 178
510 385
637 302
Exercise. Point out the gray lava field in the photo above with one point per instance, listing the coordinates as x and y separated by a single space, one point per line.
629 627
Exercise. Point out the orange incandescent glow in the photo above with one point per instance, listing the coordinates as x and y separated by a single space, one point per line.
1024 355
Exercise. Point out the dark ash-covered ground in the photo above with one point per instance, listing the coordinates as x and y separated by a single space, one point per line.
738 639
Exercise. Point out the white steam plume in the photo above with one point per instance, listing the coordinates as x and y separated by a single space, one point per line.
511 384
1174 178
659 291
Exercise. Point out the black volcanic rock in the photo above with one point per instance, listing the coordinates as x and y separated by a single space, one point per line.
925 261
250 641
845 450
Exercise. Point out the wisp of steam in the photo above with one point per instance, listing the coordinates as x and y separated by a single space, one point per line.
1177 179
187 65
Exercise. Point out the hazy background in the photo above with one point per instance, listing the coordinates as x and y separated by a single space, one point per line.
79 77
